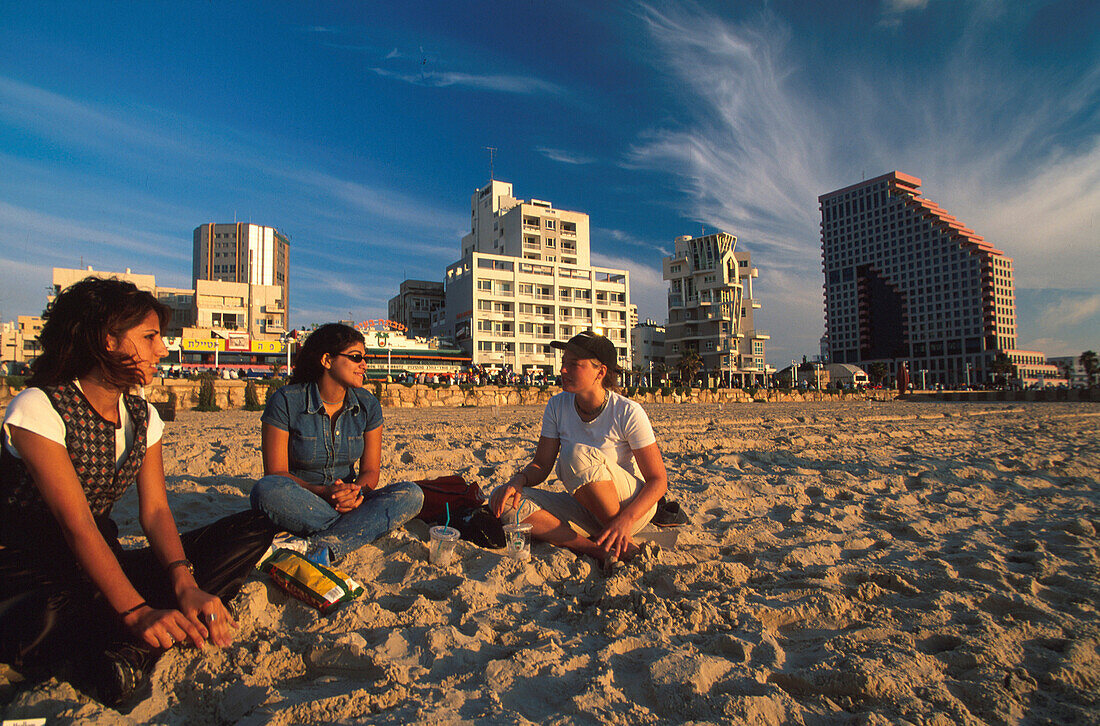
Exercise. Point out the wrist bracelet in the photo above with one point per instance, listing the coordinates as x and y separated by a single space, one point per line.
134 609
181 563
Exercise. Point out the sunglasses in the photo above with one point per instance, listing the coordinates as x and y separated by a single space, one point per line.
353 357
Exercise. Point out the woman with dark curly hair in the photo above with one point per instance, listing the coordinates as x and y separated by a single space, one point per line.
322 449
72 601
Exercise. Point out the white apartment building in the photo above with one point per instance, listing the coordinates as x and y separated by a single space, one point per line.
711 306
525 279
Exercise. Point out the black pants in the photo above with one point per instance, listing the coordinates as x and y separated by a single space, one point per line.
50 613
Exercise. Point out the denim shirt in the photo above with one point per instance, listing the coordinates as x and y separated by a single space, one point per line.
320 453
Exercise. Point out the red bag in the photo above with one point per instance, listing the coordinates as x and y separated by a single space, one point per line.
447 490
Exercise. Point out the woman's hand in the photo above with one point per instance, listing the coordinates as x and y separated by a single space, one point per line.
345 496
163 628
615 539
208 615
510 494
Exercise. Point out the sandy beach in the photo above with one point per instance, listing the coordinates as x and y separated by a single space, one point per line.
845 563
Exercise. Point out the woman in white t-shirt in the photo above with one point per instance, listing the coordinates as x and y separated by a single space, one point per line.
73 603
607 460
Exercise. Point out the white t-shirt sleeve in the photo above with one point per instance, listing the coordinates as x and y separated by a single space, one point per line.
636 427
551 417
32 410
156 426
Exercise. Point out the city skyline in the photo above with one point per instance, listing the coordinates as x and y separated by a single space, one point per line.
361 133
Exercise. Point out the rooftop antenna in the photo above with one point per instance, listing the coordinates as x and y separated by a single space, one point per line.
491 150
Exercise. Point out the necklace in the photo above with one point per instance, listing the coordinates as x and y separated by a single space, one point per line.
331 403
590 415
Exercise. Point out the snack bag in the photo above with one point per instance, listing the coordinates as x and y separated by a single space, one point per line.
316 585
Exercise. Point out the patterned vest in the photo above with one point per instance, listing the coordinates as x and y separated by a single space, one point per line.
90 442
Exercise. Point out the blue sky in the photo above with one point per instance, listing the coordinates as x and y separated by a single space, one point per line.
359 130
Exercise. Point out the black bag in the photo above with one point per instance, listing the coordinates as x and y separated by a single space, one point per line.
473 520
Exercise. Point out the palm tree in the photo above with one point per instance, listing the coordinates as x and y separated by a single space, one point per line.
659 371
688 366
1090 363
877 371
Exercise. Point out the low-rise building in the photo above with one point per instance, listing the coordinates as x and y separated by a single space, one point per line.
414 305
19 339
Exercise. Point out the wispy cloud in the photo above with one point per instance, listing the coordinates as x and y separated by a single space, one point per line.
379 203
893 10
59 118
499 83
1072 310
565 157
760 140
626 238
58 233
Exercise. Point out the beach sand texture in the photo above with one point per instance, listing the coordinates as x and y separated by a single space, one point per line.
846 563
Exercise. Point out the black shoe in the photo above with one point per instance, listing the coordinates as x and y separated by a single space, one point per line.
669 514
121 677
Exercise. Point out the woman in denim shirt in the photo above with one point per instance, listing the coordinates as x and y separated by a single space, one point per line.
316 430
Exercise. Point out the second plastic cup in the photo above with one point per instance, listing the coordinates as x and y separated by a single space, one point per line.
441 549
517 538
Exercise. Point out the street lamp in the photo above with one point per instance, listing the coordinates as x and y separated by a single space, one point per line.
968 374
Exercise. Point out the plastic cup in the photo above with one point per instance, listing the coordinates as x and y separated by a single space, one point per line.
517 539
441 549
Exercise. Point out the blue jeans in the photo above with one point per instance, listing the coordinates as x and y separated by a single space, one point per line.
295 509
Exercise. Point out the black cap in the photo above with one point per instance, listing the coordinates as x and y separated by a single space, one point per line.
590 345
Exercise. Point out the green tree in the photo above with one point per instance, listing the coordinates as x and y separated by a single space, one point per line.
688 366
1090 364
207 398
252 397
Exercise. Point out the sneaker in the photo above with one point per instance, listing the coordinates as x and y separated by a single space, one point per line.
121 678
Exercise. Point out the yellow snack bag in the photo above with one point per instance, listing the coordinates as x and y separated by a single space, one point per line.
316 585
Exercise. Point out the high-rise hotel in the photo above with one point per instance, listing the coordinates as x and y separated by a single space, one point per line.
907 282
525 278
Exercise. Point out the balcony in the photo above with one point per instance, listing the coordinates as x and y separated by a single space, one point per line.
760 334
